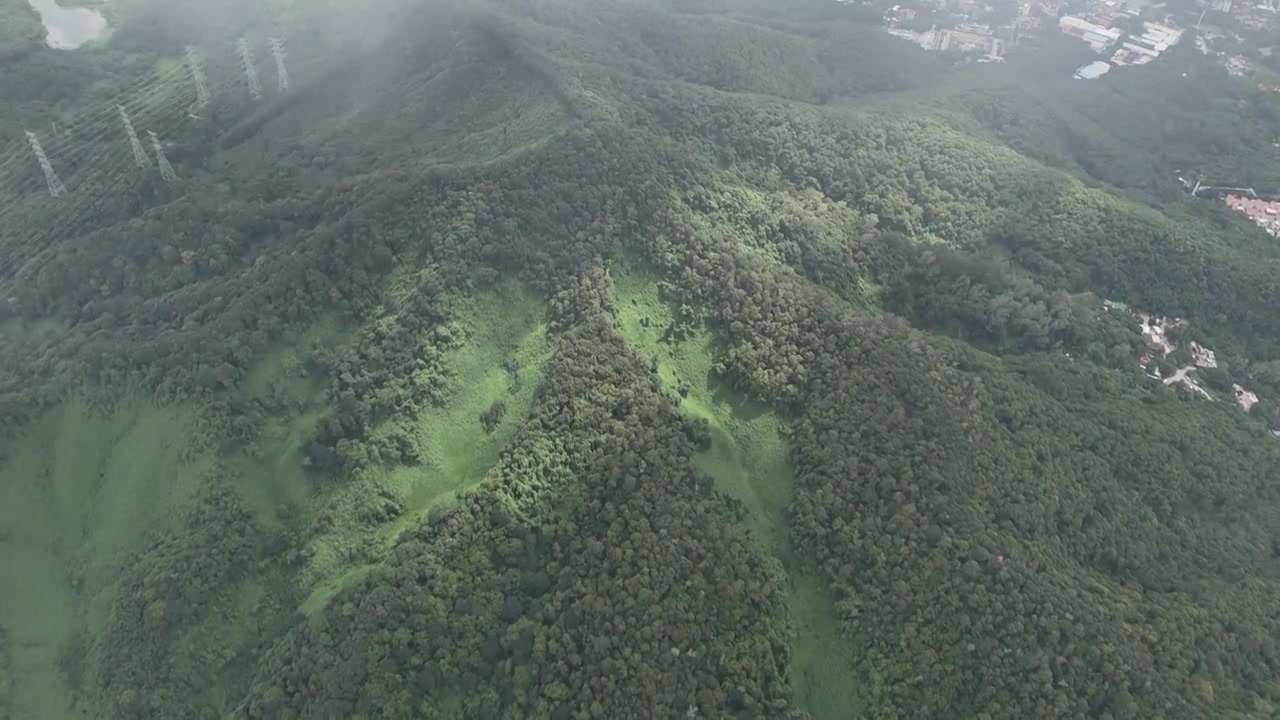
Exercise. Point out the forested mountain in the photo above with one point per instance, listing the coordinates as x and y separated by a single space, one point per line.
619 359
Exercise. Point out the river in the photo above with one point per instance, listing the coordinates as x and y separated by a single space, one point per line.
68 28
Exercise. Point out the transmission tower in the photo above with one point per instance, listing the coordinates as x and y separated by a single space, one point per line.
197 76
139 155
56 187
250 72
166 170
282 72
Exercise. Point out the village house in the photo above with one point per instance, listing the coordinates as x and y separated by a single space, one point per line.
1246 398
1202 356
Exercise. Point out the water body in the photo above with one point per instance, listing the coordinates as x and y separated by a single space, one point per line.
68 28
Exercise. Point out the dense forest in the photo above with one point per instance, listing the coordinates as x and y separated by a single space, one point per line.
574 359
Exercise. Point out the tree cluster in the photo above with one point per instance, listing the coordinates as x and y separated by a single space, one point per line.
633 595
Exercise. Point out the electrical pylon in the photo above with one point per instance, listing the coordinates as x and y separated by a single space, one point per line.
250 72
56 187
166 170
139 155
282 72
197 76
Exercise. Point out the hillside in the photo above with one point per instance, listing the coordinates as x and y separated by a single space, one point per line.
605 359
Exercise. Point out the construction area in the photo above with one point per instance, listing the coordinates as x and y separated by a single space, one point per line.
1156 332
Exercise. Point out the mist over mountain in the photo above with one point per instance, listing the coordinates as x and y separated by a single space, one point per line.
572 359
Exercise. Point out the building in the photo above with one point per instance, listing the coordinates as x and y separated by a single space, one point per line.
1093 70
966 38
915 37
1099 38
1246 398
1238 65
1142 49
1265 213
1157 37
972 38
1202 356
1153 333
1130 54
898 14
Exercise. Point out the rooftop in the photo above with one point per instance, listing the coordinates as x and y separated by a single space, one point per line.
1093 70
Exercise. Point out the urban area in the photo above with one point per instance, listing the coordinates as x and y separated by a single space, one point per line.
1266 213
1121 33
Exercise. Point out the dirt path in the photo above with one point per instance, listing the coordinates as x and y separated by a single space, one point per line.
1181 376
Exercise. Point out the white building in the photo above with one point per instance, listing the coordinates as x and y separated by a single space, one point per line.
1093 70
1202 356
1158 37
1246 398
1098 37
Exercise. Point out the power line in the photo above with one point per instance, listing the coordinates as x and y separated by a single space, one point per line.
159 93
72 151
48 207
56 187
139 155
101 199
192 65
100 174
58 151
166 170
282 71
39 216
27 250
197 76
104 115
77 159
107 130
250 71
19 150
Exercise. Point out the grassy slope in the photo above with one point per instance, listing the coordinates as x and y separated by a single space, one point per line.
271 474
748 460
72 518
501 360
79 494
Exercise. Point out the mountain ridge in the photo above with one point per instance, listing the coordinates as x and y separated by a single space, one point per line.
739 369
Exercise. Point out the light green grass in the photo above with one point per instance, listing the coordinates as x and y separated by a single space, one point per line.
80 491
271 474
501 359
332 584
84 490
748 455
748 459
